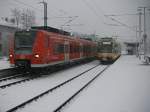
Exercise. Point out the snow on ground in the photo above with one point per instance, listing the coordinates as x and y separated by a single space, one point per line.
125 87
51 101
4 63
19 93
12 80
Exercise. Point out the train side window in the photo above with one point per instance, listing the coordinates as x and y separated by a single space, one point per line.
59 48
56 49
84 49
80 48
87 49
75 48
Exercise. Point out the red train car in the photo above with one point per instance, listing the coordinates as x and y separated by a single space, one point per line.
45 46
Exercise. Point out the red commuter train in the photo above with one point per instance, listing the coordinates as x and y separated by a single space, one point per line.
47 46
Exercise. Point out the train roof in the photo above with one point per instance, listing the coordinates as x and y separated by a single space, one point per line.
106 38
57 31
51 29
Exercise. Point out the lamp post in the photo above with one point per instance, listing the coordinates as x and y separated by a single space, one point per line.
144 29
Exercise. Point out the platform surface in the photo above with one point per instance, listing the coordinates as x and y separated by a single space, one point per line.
124 87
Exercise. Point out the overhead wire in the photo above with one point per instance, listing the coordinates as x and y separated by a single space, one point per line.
93 10
73 17
102 12
121 23
115 20
123 14
20 2
69 21
25 4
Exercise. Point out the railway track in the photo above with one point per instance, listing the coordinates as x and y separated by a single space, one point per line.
9 72
60 86
58 109
31 76
25 77
19 81
7 69
11 77
28 76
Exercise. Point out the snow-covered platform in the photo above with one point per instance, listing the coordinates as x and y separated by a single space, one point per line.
4 63
124 87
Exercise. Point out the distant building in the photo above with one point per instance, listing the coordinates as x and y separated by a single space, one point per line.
5 32
131 48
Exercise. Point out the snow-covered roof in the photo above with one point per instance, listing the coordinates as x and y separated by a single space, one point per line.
7 24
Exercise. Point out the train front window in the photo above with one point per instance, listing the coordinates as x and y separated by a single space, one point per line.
24 41
105 47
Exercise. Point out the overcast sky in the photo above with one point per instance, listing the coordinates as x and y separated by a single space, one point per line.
89 15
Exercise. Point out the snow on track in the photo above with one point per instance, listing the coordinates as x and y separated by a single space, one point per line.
124 87
4 63
12 80
17 94
52 100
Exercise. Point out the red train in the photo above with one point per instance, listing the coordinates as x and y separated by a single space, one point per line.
45 46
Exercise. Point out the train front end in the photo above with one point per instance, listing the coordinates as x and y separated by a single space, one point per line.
108 50
105 51
21 51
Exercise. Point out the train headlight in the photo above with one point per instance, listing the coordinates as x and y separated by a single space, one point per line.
36 56
10 55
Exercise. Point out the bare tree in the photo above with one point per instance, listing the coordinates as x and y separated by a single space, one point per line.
27 18
16 13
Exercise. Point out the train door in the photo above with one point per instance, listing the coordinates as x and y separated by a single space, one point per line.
81 50
66 51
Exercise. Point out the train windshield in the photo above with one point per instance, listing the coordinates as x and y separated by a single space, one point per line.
105 47
24 41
